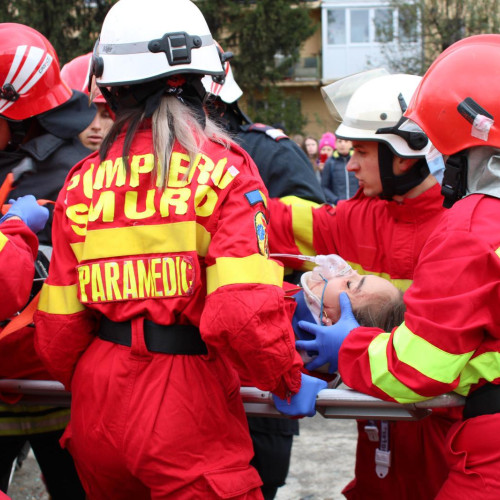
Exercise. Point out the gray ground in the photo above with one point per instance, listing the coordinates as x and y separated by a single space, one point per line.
322 464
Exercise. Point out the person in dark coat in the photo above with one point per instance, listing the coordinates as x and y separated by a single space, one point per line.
336 181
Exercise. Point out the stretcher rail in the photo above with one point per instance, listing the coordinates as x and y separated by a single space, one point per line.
331 403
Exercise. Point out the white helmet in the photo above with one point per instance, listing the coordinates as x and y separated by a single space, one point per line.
144 40
224 87
371 106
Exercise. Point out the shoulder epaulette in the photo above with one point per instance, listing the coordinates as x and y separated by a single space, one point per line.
273 133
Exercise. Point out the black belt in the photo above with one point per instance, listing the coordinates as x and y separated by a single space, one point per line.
483 401
171 339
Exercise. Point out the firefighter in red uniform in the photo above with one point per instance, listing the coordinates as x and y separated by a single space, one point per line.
160 283
381 230
450 338
18 250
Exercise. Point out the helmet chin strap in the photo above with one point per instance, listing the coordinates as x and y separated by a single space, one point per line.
392 184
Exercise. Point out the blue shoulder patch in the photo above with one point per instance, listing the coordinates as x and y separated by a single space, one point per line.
254 197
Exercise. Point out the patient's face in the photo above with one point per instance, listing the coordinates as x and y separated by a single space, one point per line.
362 290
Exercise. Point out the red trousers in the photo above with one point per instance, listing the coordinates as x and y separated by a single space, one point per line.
418 460
158 426
473 448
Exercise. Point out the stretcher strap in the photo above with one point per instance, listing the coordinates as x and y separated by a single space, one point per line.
24 318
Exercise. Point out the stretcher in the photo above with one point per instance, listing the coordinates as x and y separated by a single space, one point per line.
330 403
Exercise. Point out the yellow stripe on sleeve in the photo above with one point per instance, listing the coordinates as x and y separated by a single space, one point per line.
59 300
255 269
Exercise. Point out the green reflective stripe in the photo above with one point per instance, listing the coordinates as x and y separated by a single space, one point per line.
485 366
382 378
401 284
426 358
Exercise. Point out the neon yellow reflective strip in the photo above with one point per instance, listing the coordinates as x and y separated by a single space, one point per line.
401 284
382 378
497 251
143 240
3 241
294 200
485 366
426 358
59 300
252 269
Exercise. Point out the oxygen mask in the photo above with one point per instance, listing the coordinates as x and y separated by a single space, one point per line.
314 282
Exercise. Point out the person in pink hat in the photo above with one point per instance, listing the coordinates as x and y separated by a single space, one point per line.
326 148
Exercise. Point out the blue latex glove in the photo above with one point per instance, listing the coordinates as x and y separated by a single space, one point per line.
328 338
304 402
27 209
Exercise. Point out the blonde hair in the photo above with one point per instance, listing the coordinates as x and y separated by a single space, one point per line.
172 120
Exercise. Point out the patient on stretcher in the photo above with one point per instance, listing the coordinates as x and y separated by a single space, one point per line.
375 301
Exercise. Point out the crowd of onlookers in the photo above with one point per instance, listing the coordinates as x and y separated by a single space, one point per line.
329 157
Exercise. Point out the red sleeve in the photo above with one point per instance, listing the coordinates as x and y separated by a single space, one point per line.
18 250
62 337
248 320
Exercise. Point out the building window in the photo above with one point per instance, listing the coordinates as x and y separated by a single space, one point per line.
352 25
336 27
360 26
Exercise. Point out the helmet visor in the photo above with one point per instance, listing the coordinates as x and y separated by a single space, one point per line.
338 94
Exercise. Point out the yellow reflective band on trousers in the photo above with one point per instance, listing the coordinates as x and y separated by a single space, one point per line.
401 284
382 378
3 241
59 300
21 420
485 366
143 240
255 269
426 358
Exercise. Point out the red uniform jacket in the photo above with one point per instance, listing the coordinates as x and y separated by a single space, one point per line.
194 253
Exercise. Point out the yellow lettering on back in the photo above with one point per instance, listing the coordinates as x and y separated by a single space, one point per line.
83 279
205 200
179 165
108 172
73 182
87 182
140 164
156 275
97 285
145 279
218 171
105 205
177 198
78 215
169 281
130 208
129 282
111 276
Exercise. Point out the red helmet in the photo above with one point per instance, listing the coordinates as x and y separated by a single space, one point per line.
32 84
76 75
456 103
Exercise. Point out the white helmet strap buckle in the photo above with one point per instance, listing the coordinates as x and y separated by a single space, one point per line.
177 46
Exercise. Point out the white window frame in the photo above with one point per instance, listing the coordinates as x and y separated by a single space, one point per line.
348 8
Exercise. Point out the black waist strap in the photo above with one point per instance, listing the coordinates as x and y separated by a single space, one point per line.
483 401
171 339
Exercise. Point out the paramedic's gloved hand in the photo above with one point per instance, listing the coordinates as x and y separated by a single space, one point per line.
27 209
304 402
328 338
